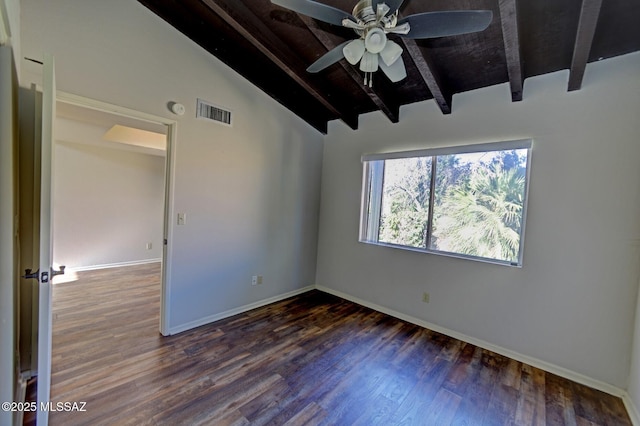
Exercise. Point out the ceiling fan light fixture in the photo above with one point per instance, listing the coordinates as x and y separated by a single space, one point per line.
369 62
353 51
391 52
395 72
375 40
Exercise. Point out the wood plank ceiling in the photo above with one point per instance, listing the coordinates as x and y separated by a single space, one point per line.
272 47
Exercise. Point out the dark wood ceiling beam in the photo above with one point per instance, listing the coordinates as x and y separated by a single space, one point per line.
589 14
392 111
429 75
241 19
510 35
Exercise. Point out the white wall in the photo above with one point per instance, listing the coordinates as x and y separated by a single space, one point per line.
572 303
634 376
108 202
251 191
10 9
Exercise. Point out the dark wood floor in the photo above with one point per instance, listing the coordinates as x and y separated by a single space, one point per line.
312 359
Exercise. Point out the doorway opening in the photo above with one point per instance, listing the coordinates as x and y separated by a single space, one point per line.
112 189
108 190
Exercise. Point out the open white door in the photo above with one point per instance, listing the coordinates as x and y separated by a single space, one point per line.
46 270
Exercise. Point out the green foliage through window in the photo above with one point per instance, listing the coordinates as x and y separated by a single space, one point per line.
472 204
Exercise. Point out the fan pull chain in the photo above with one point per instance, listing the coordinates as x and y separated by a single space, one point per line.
368 79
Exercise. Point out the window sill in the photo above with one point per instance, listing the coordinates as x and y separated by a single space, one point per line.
446 254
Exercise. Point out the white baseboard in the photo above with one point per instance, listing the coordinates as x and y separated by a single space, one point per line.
543 365
632 410
239 310
113 265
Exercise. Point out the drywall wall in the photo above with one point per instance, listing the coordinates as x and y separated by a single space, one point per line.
108 202
634 375
10 11
572 302
250 192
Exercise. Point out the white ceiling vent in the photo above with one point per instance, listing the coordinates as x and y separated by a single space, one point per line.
212 112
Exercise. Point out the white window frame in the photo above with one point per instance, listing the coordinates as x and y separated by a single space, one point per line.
372 189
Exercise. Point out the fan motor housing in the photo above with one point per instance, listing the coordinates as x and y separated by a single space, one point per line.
363 11
367 17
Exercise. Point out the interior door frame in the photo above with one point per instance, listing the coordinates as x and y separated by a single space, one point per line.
172 131
9 280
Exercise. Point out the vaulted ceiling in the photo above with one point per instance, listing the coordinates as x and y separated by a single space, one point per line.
272 47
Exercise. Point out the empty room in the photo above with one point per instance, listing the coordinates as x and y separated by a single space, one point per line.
367 212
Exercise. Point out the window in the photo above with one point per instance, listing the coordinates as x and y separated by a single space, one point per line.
466 201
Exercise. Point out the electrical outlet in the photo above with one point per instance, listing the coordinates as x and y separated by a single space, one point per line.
256 280
425 297
149 246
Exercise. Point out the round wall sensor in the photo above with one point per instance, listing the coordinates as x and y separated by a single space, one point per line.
177 109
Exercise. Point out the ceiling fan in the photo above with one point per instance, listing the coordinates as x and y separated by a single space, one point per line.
372 20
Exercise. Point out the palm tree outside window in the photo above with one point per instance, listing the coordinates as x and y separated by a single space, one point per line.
467 201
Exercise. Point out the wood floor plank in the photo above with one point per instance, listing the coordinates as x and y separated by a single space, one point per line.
415 406
463 368
313 359
476 395
310 414
442 409
528 411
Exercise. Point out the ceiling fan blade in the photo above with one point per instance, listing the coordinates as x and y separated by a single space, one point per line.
448 23
329 58
395 72
316 10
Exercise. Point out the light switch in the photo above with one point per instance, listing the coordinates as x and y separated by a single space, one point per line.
182 218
